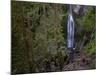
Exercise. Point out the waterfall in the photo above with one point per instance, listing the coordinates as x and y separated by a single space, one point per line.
70 29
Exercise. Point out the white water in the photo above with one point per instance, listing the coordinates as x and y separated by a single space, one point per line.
70 29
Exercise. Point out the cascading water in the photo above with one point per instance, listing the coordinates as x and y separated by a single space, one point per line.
70 35
70 29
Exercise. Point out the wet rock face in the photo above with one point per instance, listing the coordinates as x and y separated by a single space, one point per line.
76 9
79 10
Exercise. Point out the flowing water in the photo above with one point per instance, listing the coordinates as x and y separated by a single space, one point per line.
70 29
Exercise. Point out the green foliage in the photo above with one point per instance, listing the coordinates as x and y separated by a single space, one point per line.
87 22
86 27
36 34
89 26
90 48
39 33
